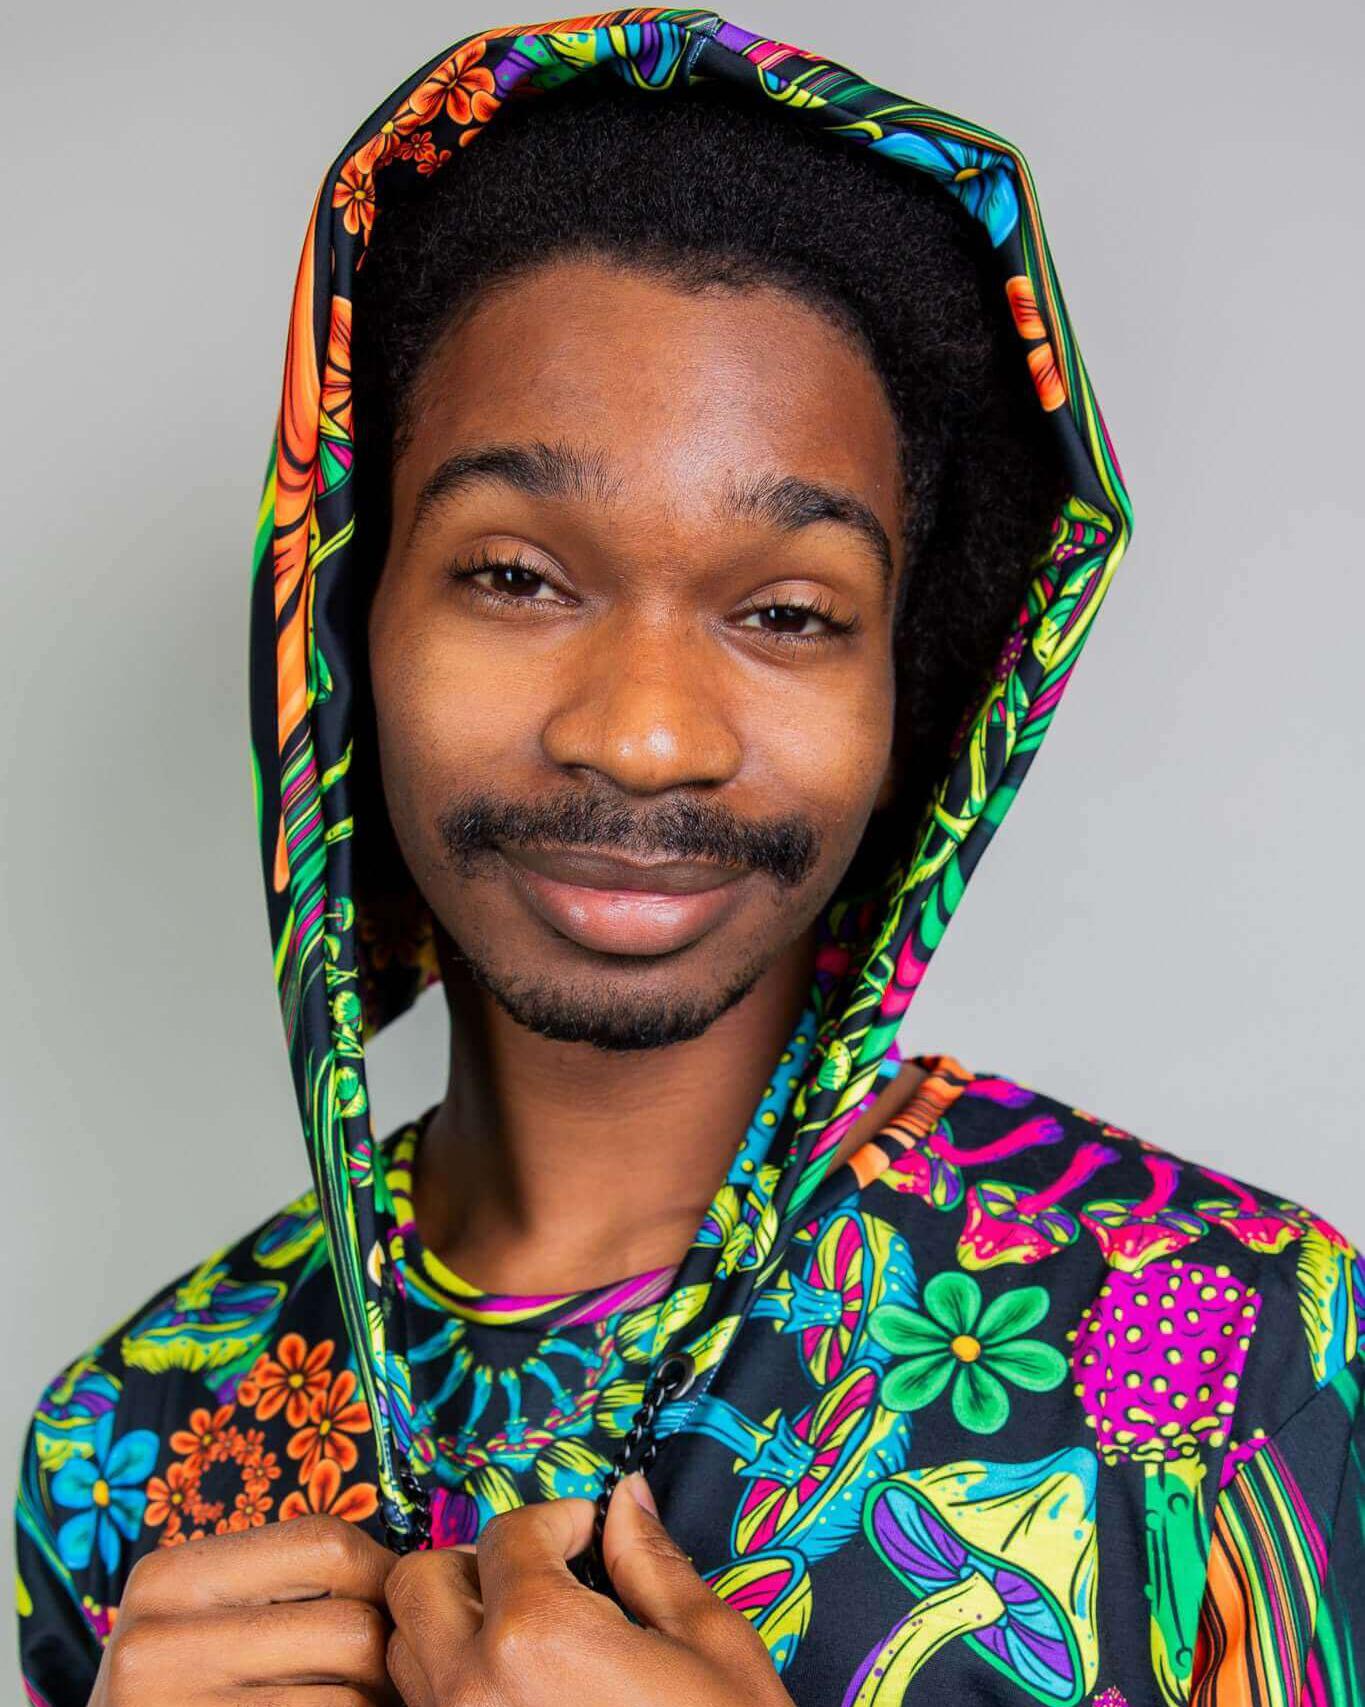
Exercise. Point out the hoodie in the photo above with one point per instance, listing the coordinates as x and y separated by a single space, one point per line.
1011 1404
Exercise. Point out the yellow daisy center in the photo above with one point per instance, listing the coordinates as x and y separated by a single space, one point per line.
966 1348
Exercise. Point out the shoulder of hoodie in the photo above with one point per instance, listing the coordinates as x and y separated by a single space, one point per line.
180 1355
1304 1276
242 1296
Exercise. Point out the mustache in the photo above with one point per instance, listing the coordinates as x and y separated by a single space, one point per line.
786 847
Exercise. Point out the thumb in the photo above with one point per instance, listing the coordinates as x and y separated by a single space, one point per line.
654 1579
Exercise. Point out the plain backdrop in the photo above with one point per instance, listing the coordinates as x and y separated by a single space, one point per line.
1166 931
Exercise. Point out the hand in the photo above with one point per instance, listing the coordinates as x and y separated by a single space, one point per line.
296 1606
508 1625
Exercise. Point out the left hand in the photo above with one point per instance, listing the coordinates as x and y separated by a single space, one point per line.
508 1625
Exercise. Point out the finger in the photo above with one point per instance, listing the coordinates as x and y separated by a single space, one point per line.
655 1580
528 1549
303 1559
327 1641
433 1598
408 1674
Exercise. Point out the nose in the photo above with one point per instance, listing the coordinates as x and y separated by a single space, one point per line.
643 702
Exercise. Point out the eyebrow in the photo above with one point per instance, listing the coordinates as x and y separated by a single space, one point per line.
540 470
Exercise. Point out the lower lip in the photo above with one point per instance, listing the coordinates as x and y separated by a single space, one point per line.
623 921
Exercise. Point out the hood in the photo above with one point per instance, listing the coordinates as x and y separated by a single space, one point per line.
344 970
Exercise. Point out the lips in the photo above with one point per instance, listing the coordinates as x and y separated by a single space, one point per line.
618 906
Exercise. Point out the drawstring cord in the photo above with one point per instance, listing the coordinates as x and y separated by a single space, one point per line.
637 1451
670 1380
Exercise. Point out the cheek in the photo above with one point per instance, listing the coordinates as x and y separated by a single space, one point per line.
832 751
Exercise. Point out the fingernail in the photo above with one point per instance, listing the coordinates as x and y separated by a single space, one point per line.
640 1493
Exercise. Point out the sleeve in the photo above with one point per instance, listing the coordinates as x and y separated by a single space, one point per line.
59 1650
1282 1621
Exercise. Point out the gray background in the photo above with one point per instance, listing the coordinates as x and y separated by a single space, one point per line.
1166 929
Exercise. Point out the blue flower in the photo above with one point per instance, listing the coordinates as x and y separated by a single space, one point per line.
107 1491
981 179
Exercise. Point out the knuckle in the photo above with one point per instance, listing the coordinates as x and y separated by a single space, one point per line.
495 1532
358 1627
144 1578
335 1542
136 1651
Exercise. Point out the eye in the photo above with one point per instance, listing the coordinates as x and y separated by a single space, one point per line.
514 581
513 578
798 610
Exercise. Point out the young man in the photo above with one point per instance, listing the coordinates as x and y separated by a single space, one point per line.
687 507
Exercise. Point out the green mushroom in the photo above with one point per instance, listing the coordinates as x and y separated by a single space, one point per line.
1003 1556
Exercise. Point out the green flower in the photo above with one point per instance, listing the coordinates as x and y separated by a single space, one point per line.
977 1351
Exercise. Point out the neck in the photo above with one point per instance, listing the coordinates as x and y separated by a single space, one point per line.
554 1167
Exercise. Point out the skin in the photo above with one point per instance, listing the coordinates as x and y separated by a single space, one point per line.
647 677
314 1613
639 672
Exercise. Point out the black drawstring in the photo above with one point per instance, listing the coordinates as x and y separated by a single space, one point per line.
670 1381
418 1532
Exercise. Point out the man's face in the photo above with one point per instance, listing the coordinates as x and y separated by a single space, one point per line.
626 687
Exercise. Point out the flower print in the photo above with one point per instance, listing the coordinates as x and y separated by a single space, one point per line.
221 1484
290 1381
331 1419
355 192
465 88
106 1491
980 178
168 1496
976 1350
323 1496
249 1509
205 1441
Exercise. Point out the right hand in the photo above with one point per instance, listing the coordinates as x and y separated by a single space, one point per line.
296 1606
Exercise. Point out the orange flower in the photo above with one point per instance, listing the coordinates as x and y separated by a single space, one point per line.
1028 322
355 192
466 88
166 1498
249 1513
1047 377
324 1496
205 1441
290 1381
331 1419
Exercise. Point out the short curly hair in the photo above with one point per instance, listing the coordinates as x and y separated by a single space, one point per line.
710 184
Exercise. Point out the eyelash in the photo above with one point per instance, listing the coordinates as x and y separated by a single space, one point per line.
465 570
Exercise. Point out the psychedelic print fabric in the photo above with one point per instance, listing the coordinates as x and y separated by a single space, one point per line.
1130 1474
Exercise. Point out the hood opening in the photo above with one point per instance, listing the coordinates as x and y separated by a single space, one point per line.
351 937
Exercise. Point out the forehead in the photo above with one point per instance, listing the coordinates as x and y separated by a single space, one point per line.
678 388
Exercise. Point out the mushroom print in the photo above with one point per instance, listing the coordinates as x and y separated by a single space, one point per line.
1158 1359
806 1477
1006 1224
929 1165
806 1474
1000 1556
1323 1275
209 1322
858 1262
773 1592
1264 1579
1250 1221
1131 1231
